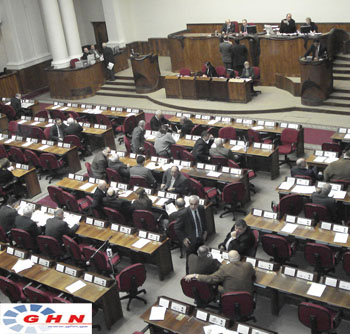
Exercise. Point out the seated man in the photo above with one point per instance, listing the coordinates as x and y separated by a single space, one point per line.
56 227
288 25
100 163
241 238
98 195
220 151
119 166
16 104
141 170
26 223
181 209
174 181
73 128
321 197
94 52
202 263
111 200
340 169
186 126
316 50
233 276
163 141
244 26
85 54
57 130
202 146
313 26
158 120
302 168
8 214
210 70
138 138
228 27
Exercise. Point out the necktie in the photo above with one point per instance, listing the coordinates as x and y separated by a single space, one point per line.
59 132
198 225
317 52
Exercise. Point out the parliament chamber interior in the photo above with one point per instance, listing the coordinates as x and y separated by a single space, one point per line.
182 166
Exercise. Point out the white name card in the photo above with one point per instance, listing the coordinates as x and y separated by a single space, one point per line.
290 219
154 237
70 271
214 319
60 267
305 275
100 281
330 281
178 307
89 221
201 315
344 285
44 262
270 215
289 271
115 227
125 229
251 260
340 228
257 212
265 265
326 226
304 221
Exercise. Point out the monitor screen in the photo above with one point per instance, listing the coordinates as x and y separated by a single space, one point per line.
305 29
251 30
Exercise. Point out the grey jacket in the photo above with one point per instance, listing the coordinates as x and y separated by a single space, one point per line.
163 142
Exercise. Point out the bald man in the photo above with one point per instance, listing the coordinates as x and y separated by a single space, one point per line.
98 195
233 276
321 197
202 262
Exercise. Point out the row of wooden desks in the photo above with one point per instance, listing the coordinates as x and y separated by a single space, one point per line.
106 298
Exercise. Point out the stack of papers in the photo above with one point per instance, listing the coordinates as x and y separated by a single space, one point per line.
214 174
28 143
330 160
303 189
342 238
320 159
152 198
237 148
40 217
286 185
22 121
141 243
152 165
55 107
44 147
289 228
26 105
86 186
213 121
75 286
257 128
215 329
22 265
316 289
64 108
8 141
125 193
150 137
337 194
162 201
71 219
157 313
170 208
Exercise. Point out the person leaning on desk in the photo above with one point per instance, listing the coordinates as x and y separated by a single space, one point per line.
316 50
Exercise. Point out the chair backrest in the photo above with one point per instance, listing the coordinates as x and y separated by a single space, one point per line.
221 71
60 300
235 23
176 150
305 177
315 316
252 251
291 205
333 147
42 114
196 188
38 133
12 128
197 130
319 255
237 305
9 111
276 246
144 220
49 246
114 216
220 161
49 161
202 293
56 195
3 152
72 62
17 155
233 192
139 181
36 296
213 130
185 72
127 144
317 211
103 119
58 114
47 133
172 233
10 289
228 132
187 156
233 164
32 158
70 202
22 238
73 114
74 140
289 136
3 236
129 124
256 71
149 149
89 169
113 175
346 262
73 249
131 277
254 136
100 260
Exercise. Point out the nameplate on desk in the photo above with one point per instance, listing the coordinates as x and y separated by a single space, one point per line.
89 106
86 125
75 105
66 145
71 271
305 275
60 267
142 234
218 118
251 260
60 144
289 271
69 104
226 120
206 117
45 262
100 281
293 126
257 212
330 281
19 138
23 117
225 169
121 154
304 221
198 116
342 130
171 195
291 219
50 143
200 165
179 307
104 108
154 237
265 265
217 320
344 285
91 180
154 159
132 155
128 110
135 111
210 167
267 146
248 121
270 124
163 302
71 176
256 145
96 126
115 227
270 215
179 114
79 177
202 315
283 125
17 252
125 229
83 106
119 109
147 190
43 209
61 104
236 171
340 228
163 160
326 226
239 120
336 187
100 223
4 136
50 120
51 211
329 154
187 115
186 163
194 138
303 182
161 193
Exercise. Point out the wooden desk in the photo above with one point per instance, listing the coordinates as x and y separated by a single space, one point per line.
9 84
310 162
188 88
70 153
31 180
301 232
239 90
218 89
172 86
202 87
106 298
339 137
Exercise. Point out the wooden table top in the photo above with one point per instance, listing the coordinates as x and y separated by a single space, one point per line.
339 136
303 232
310 161
51 277
18 172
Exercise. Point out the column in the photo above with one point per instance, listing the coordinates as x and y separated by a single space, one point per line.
70 27
113 18
55 34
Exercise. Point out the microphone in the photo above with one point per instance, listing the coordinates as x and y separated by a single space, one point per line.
106 242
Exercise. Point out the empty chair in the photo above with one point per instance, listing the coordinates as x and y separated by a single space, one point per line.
104 120
278 247
221 71
238 306
12 128
17 155
202 293
89 169
209 193
318 318
289 205
9 111
75 205
233 195
38 133
176 150
58 114
332 147
113 175
3 152
252 251
50 163
114 216
128 125
139 181
35 295
50 247
346 262
289 141
317 212
255 137
129 280
187 156
321 257
174 239
47 133
75 250
22 239
13 290
197 130
75 141
185 72
150 150
33 160
219 161
145 220
56 195
42 114
228 132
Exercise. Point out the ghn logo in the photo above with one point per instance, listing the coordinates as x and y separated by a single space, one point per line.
35 318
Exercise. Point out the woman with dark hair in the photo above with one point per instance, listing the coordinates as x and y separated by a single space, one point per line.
142 202
210 70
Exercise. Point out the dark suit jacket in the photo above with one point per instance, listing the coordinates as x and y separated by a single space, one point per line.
210 71
84 56
243 28
137 139
73 129
177 214
26 224
7 217
226 52
227 30
97 199
108 56
239 55
54 131
142 204
119 204
186 128
180 185
303 171
312 51
328 202
247 73
144 172
5 176
243 244
202 265
99 165
16 104
120 167
288 28
56 228
313 26
201 150
156 124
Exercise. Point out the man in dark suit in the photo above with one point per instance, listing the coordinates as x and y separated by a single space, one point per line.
181 210
174 181
138 138
316 50
233 276
100 163
56 227
73 128
301 168
239 56
141 170
17 105
202 147
57 130
108 60
226 53
202 262
186 126
321 197
158 120
8 214
119 166
228 27
85 54
98 195
210 70
244 26
288 25
25 223
111 200
240 238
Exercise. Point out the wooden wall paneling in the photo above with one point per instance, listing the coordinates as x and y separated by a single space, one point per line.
176 49
9 85
121 61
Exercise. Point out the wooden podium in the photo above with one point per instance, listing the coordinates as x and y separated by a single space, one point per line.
316 81
146 73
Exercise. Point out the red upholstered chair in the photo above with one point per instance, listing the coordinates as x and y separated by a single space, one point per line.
219 161
255 137
13 290
89 169
113 175
197 130
128 125
145 220
76 205
73 114
50 247
35 295
321 257
58 114
235 23
33 160
114 216
72 62
12 128
75 250
129 280
139 181
56 195
317 212
3 152
104 120
233 195
17 155
47 133
49 162
214 131
318 318
25 130
252 251
332 147
305 177
256 80
100 260
9 112
75 141
346 262
38 133
233 164
22 239
289 140
228 132
187 156
4 239
127 144
185 72
238 306
278 247
209 193
174 240
289 205
150 150
42 114
176 150
221 71
202 293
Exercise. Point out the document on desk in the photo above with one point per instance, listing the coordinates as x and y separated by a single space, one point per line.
170 208
330 160
55 107
257 128
22 265
303 189
316 289
64 108
286 185
320 159
337 194
347 136
216 329
26 144
44 147
157 313
125 193
40 217
237 148
150 137
162 201
152 165
141 243
213 121
71 219
75 286
22 121
8 141
49 125
152 198
214 174
289 228
86 186
26 105
342 238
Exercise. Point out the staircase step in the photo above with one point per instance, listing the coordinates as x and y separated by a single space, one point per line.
123 77
341 90
342 77
336 103
133 96
341 65
342 56
342 71
119 89
122 83
335 96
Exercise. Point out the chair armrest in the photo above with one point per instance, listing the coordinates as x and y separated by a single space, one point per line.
337 318
209 190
